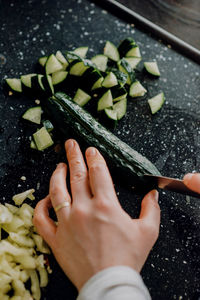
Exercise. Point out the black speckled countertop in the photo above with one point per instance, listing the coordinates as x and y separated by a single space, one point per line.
170 139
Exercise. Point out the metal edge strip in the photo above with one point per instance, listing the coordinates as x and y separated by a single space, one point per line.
178 44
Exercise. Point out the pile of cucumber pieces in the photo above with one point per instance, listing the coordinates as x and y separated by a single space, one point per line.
108 77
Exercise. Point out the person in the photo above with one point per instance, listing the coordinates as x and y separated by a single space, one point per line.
97 244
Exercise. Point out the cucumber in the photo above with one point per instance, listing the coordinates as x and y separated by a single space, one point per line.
97 84
52 65
33 114
110 80
137 90
81 98
48 85
125 67
105 101
33 145
42 139
59 77
14 84
152 68
42 60
125 46
48 125
37 85
118 93
156 102
81 51
121 76
135 51
100 62
111 51
129 163
91 79
60 57
118 110
78 67
26 80
133 61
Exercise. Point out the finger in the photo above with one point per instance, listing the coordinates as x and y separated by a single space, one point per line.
78 171
150 210
58 191
44 224
100 180
192 181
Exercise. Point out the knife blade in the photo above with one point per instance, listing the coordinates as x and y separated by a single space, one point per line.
170 184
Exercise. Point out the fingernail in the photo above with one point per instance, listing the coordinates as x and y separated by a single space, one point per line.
70 144
155 195
91 151
187 178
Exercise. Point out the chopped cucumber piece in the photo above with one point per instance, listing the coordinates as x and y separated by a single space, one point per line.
125 46
42 60
137 90
133 61
52 65
156 102
110 80
48 125
19 198
105 101
81 51
134 52
81 97
59 77
33 114
100 61
26 79
78 68
152 68
60 57
33 145
48 85
15 84
117 111
111 51
121 76
118 93
42 139
125 67
97 84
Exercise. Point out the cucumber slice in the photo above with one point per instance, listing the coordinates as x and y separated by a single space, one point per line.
90 78
59 77
26 80
81 98
118 93
135 51
133 61
110 80
42 60
118 110
42 139
97 84
111 51
78 68
48 125
52 65
121 76
105 101
33 145
81 51
156 102
100 61
15 84
125 46
137 90
152 68
33 114
60 57
125 67
48 85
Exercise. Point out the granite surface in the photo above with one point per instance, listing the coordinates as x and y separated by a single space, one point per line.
170 139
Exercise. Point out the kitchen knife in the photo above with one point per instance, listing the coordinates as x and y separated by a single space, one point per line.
170 184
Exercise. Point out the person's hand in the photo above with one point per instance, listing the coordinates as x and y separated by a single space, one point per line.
94 232
192 181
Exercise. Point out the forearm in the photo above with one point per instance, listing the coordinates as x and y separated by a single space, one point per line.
115 283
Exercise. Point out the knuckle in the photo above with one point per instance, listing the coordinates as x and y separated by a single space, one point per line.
103 205
78 176
97 167
55 191
80 212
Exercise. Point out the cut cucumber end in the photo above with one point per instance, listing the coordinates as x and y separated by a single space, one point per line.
33 115
156 102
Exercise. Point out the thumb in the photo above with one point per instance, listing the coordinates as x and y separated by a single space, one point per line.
150 210
192 181
43 223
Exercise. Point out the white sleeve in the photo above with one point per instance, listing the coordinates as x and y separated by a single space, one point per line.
115 283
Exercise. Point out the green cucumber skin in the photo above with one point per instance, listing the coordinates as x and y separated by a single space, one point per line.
67 114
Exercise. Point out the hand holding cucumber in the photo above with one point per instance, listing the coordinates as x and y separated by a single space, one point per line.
93 231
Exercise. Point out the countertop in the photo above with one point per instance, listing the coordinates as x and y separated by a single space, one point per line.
170 139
